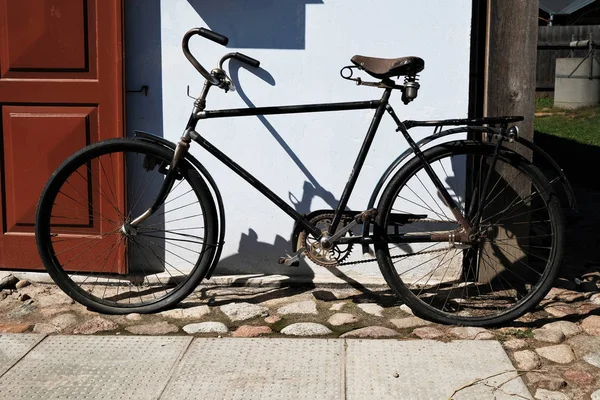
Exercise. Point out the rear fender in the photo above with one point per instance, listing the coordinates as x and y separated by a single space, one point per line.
553 171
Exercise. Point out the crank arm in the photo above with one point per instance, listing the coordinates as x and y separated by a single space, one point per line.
293 260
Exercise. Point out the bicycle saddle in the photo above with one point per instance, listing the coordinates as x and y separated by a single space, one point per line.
387 67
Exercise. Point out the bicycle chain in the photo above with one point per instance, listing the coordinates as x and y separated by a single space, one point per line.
399 255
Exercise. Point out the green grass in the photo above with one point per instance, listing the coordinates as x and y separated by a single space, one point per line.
582 125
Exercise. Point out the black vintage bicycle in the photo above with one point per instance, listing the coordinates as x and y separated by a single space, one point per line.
465 232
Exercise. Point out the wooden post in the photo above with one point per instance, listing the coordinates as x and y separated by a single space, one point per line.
511 60
510 90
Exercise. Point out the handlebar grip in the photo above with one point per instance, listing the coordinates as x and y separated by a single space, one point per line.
248 60
214 36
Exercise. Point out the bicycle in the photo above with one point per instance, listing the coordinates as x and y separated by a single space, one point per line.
483 248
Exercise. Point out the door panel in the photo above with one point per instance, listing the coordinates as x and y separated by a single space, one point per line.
60 89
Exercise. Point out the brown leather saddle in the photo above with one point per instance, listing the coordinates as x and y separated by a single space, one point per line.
387 67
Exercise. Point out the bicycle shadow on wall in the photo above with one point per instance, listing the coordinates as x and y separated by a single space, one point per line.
257 24
265 255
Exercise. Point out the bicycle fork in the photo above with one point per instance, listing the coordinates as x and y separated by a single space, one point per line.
181 150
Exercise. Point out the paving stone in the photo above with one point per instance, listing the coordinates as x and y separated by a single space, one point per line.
251 331
299 307
205 327
54 298
14 328
591 325
471 333
543 394
372 332
22 283
306 329
548 335
371 308
527 360
337 306
157 328
596 395
56 324
243 311
186 313
580 378
554 293
593 359
545 381
95 325
571 296
428 332
133 317
406 309
271 319
515 344
8 282
560 310
561 353
409 322
338 319
583 344
568 329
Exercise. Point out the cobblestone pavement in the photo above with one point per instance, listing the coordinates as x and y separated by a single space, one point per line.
556 348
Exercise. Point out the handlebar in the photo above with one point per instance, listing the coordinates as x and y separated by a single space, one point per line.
217 38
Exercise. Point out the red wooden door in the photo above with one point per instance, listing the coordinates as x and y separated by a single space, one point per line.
61 88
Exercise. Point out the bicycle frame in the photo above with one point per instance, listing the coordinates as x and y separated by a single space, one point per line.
380 107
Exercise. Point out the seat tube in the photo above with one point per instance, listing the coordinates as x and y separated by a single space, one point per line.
360 160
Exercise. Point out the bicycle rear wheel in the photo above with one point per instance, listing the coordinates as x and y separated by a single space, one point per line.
489 280
79 228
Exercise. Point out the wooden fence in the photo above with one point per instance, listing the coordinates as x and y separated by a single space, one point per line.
553 43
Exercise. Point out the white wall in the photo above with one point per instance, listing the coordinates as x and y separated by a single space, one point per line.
301 46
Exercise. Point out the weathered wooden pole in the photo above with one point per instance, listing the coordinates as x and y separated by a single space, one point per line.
511 60
509 89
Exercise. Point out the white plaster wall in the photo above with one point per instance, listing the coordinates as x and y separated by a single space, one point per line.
302 54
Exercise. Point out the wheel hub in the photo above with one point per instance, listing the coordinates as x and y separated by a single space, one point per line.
128 230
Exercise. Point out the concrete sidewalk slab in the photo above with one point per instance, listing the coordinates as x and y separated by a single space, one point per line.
94 367
257 369
427 369
13 347
168 367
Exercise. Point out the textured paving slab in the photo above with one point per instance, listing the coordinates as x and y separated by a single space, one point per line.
257 369
98 367
13 347
391 369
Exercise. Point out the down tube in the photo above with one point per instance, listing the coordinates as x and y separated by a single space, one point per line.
258 185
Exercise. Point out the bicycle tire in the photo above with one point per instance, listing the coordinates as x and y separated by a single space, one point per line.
530 275
92 260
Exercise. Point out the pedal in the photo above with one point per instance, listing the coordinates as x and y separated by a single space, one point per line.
292 261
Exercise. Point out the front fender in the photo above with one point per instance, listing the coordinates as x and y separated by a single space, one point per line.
211 182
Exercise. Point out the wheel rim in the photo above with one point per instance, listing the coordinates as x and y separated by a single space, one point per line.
507 262
125 268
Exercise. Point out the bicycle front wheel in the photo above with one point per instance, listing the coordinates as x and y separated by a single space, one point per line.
86 251
511 259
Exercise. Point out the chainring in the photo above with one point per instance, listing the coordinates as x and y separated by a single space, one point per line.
313 249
